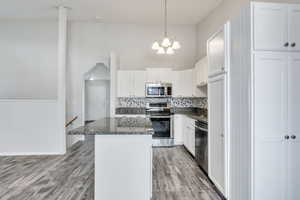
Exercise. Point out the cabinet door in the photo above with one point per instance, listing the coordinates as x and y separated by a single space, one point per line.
195 90
216 53
125 84
216 92
270 23
294 27
270 126
139 83
203 71
159 75
178 129
183 84
294 127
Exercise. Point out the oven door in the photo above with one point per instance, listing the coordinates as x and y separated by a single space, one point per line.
161 126
155 91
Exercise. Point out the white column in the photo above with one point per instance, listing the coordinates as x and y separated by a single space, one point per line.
62 52
113 82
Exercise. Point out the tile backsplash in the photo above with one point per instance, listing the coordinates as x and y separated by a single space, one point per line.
179 102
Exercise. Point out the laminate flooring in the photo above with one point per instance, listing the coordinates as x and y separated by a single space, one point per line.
71 176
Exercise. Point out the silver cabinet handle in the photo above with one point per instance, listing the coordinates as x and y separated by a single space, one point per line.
293 44
286 44
286 137
293 137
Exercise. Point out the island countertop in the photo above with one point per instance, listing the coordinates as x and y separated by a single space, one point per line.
116 126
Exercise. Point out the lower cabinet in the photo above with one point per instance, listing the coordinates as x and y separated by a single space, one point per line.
184 132
178 129
189 134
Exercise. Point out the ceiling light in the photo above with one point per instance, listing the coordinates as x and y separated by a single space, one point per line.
166 42
170 51
166 46
161 50
155 46
176 45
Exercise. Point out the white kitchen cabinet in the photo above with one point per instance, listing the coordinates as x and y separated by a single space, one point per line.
282 22
200 78
294 27
125 83
189 134
263 109
183 84
131 83
274 17
216 51
202 75
216 129
159 75
139 83
294 126
270 120
178 129
277 128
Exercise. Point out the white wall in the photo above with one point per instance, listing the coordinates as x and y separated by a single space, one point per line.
30 127
131 42
97 99
28 59
91 42
225 11
32 106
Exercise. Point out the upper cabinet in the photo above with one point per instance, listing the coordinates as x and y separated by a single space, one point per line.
294 27
216 50
125 84
131 83
201 74
159 75
283 27
139 83
183 83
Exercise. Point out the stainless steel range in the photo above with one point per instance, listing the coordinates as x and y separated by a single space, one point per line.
160 115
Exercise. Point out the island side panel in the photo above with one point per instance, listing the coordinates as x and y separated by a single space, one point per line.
123 167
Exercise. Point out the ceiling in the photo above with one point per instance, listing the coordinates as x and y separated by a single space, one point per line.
112 11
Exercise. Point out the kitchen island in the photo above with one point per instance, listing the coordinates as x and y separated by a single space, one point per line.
123 157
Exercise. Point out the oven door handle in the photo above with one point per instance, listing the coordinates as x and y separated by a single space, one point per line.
201 129
154 109
159 117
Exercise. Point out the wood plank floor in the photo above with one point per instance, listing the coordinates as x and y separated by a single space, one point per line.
70 177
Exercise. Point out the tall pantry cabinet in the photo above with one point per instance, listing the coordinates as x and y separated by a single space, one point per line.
264 103
217 49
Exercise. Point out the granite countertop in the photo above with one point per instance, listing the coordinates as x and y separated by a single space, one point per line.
116 126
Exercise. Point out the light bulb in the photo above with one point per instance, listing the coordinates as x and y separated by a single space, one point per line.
166 42
155 46
161 50
170 51
176 45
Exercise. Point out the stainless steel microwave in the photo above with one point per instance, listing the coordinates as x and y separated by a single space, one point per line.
154 90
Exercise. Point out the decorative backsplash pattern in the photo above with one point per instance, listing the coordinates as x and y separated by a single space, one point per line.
180 102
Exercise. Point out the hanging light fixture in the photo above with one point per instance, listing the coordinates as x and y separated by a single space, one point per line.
167 46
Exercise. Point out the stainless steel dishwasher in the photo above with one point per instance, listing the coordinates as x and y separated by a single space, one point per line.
201 144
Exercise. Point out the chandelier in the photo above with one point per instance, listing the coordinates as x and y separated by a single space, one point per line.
167 46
